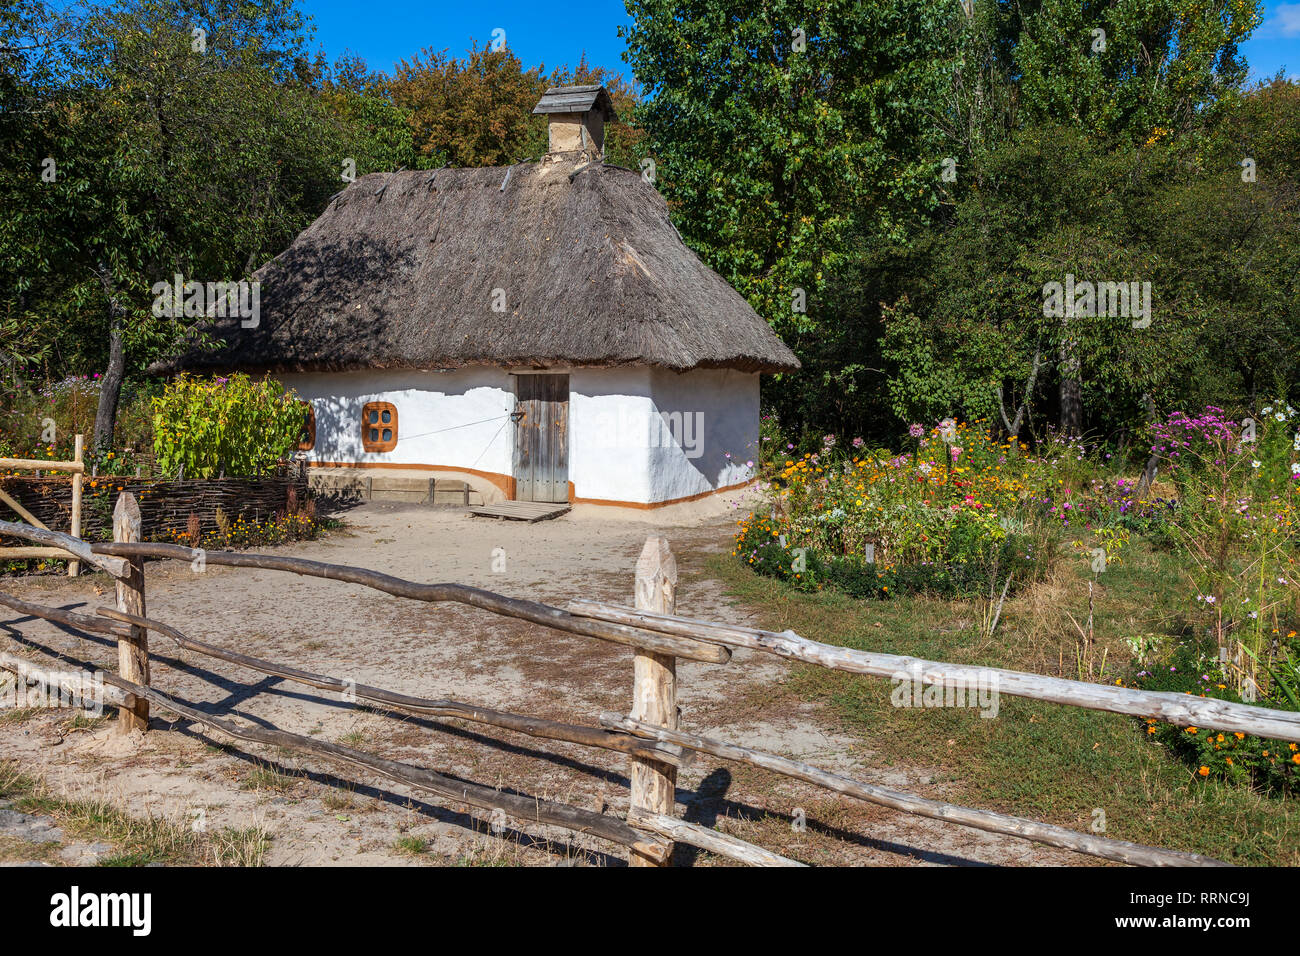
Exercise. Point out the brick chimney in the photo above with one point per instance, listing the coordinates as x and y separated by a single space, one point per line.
576 118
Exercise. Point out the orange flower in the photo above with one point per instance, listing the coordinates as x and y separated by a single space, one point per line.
1204 771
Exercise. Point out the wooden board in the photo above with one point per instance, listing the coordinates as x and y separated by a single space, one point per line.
521 510
541 446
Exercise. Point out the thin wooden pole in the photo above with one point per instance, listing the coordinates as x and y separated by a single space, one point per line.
23 513
36 464
66 544
1052 835
1183 710
520 807
133 651
722 844
78 452
532 726
533 611
654 688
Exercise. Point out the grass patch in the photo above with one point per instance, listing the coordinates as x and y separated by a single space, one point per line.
266 777
136 841
18 715
411 845
1039 760
239 846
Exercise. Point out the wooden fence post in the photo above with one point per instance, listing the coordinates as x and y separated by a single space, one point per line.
79 447
654 687
133 651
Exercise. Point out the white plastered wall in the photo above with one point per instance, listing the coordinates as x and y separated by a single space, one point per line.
636 434
458 418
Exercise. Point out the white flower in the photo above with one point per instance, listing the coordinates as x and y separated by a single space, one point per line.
1295 468
1279 417
1255 463
1266 409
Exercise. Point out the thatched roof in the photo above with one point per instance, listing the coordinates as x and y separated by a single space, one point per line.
400 272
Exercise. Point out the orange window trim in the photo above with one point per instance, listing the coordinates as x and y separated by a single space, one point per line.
308 441
378 426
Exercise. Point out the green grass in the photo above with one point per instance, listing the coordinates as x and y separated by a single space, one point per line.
410 845
1048 762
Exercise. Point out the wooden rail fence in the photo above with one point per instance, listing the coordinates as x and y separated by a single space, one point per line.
77 467
649 735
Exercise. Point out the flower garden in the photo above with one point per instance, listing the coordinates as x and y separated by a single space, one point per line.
960 514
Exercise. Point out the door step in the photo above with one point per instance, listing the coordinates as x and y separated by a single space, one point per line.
521 510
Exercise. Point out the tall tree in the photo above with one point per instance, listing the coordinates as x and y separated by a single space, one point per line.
788 137
188 146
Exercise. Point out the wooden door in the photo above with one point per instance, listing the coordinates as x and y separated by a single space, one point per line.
541 438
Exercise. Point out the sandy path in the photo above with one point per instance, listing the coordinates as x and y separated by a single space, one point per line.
317 818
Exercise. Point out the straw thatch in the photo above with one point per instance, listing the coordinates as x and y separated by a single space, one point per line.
400 272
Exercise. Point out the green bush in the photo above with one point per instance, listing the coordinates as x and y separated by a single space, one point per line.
1192 666
233 427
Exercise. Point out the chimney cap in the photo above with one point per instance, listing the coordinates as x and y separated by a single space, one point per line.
577 99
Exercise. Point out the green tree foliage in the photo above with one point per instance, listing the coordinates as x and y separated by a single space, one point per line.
789 137
923 169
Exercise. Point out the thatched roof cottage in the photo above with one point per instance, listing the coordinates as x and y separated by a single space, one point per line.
540 329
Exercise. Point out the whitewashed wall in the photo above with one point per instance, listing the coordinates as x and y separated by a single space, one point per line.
635 434
456 418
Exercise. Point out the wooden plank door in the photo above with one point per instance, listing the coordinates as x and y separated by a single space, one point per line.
541 458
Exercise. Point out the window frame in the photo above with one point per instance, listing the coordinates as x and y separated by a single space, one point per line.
378 446
308 441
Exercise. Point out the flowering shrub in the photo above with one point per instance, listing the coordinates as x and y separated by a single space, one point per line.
1237 520
43 423
241 533
958 514
1193 667
231 427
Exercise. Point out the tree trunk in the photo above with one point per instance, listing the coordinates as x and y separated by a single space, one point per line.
1071 393
110 386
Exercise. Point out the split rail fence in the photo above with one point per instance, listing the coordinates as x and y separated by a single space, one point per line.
649 735
77 467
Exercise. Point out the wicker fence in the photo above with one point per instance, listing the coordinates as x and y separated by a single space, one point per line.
165 506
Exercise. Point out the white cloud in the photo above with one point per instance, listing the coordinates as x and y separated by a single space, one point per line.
1286 20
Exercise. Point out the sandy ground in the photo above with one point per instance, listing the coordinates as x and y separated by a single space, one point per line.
323 814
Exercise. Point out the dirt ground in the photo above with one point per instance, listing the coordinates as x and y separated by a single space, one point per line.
321 814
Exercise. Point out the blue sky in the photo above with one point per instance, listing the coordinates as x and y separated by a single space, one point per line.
385 31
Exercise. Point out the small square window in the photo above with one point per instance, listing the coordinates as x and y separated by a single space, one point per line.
307 438
378 427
